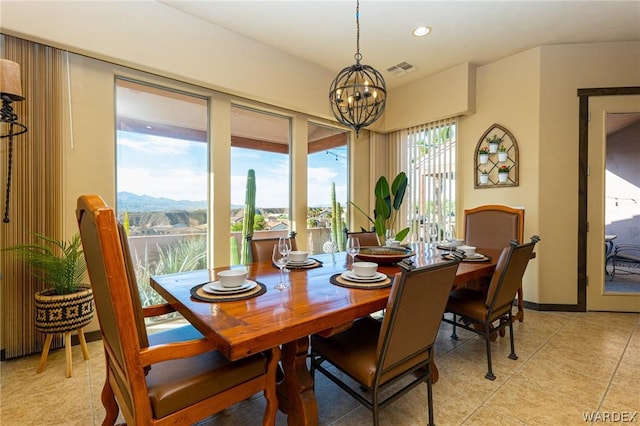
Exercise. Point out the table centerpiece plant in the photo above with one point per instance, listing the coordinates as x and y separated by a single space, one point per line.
388 202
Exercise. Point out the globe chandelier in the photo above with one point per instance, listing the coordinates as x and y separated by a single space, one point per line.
358 93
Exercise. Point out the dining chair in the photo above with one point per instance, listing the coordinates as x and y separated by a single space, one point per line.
493 226
377 354
262 248
366 238
491 312
174 377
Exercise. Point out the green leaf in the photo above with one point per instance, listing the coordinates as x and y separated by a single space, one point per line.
381 228
383 198
398 188
402 234
362 211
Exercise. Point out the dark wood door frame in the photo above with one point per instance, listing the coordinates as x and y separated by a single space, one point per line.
583 161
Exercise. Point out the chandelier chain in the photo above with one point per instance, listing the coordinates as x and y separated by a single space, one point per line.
358 56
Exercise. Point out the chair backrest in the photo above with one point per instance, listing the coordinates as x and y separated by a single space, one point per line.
102 246
493 226
366 238
133 287
414 311
507 277
262 249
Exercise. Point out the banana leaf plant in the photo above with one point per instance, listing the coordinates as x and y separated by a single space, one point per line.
388 203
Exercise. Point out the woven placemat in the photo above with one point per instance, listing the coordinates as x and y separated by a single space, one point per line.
316 264
198 293
338 280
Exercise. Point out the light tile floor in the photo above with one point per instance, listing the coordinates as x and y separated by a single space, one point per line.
571 365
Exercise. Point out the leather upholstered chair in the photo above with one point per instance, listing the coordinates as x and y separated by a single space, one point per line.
493 227
492 311
366 238
174 377
262 249
376 354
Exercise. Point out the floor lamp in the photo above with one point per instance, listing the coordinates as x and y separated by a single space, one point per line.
10 91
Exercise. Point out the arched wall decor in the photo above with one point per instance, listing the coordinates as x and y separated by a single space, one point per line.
489 160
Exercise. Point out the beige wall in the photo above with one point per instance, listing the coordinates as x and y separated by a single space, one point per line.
507 93
152 37
446 94
564 69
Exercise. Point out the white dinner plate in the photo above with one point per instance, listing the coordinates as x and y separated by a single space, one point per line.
216 288
350 276
305 263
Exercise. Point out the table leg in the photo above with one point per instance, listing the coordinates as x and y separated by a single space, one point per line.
295 393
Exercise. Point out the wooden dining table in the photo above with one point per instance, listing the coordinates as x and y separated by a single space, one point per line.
286 318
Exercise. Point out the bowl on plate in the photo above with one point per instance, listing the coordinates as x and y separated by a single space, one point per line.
365 269
454 243
467 250
232 277
297 256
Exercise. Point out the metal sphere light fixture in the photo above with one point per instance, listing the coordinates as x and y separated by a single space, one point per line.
358 94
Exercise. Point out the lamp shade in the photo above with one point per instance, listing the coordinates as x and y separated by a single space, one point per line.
10 84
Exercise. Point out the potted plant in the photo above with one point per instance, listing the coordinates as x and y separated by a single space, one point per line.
484 177
67 303
483 155
502 153
503 173
493 142
388 202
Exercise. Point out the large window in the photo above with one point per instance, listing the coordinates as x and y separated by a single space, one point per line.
161 179
327 186
260 144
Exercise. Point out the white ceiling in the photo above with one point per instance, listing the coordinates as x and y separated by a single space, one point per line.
324 32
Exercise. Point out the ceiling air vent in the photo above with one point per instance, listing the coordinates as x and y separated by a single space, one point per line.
401 69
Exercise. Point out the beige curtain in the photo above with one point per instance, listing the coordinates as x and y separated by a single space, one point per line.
36 187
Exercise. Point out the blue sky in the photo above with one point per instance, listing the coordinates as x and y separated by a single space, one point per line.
176 169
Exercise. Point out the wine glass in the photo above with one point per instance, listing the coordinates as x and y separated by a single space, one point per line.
280 260
284 247
353 248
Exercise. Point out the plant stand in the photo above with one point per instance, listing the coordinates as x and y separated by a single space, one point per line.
67 350
63 314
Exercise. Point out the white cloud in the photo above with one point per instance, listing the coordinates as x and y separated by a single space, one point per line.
177 184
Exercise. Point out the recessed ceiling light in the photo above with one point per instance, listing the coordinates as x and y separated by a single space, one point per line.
421 31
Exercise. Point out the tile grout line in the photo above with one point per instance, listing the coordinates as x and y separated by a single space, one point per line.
510 376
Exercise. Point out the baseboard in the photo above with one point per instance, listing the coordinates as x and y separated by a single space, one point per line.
91 336
552 307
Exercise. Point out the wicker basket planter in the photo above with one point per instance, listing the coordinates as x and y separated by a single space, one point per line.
60 314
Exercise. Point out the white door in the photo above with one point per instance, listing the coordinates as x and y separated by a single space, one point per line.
597 298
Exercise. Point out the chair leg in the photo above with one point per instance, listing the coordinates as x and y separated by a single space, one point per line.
430 395
109 403
270 393
512 355
487 339
453 333
374 408
520 315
